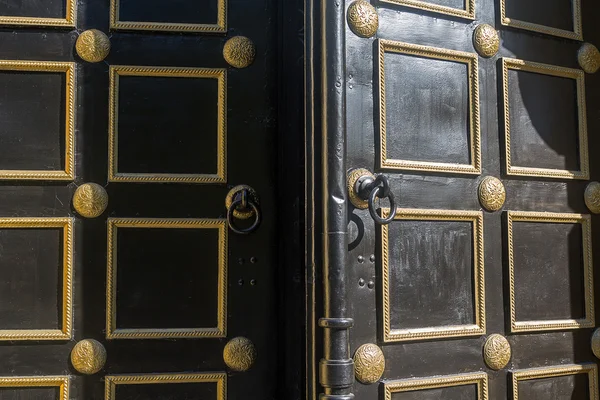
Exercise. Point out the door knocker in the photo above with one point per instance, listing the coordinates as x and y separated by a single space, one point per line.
365 188
242 203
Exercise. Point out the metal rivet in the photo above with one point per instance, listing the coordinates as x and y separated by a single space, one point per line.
372 258
253 282
253 260
361 259
371 284
240 260
241 282
361 282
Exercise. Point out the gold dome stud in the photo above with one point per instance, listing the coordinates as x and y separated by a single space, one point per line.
589 58
596 343
88 356
592 197
362 18
93 46
369 363
486 40
239 52
239 354
90 200
492 193
353 177
496 352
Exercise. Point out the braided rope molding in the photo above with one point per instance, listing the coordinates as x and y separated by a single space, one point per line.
68 22
561 72
557 218
219 27
62 382
413 384
66 332
220 331
49 66
220 378
479 328
220 74
551 372
468 12
472 62
576 34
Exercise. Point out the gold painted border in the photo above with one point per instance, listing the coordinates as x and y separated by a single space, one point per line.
398 335
561 72
49 66
468 12
220 26
220 378
551 372
576 34
219 74
220 331
471 60
413 384
66 332
69 21
62 382
554 218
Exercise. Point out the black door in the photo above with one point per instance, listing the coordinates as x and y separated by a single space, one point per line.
483 115
124 126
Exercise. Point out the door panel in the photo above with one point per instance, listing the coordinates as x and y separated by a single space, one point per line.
465 258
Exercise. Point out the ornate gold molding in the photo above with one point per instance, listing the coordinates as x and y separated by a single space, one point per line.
90 200
591 370
112 332
486 40
61 382
239 354
68 21
496 351
480 379
369 363
239 52
595 343
588 57
468 12
88 356
362 18
218 378
492 193
92 46
592 197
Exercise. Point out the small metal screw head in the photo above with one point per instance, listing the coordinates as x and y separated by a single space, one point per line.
361 282
361 259
371 285
241 282
372 258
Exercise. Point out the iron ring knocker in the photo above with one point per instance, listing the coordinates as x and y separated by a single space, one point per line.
243 200
365 188
382 192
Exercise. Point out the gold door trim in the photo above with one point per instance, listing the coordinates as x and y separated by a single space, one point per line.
112 332
468 12
219 74
62 382
479 328
576 34
561 72
413 384
563 370
68 22
220 378
220 26
68 68
66 332
471 60
555 218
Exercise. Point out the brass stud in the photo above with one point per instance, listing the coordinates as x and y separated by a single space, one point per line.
93 46
496 352
592 197
239 354
239 52
362 18
492 193
353 177
369 363
589 58
90 200
596 343
486 40
88 356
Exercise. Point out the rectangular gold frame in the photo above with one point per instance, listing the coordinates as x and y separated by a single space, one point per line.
468 12
220 331
49 66
555 218
219 74
68 22
561 72
220 26
66 332
399 335
414 384
62 382
220 378
576 34
471 61
550 372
